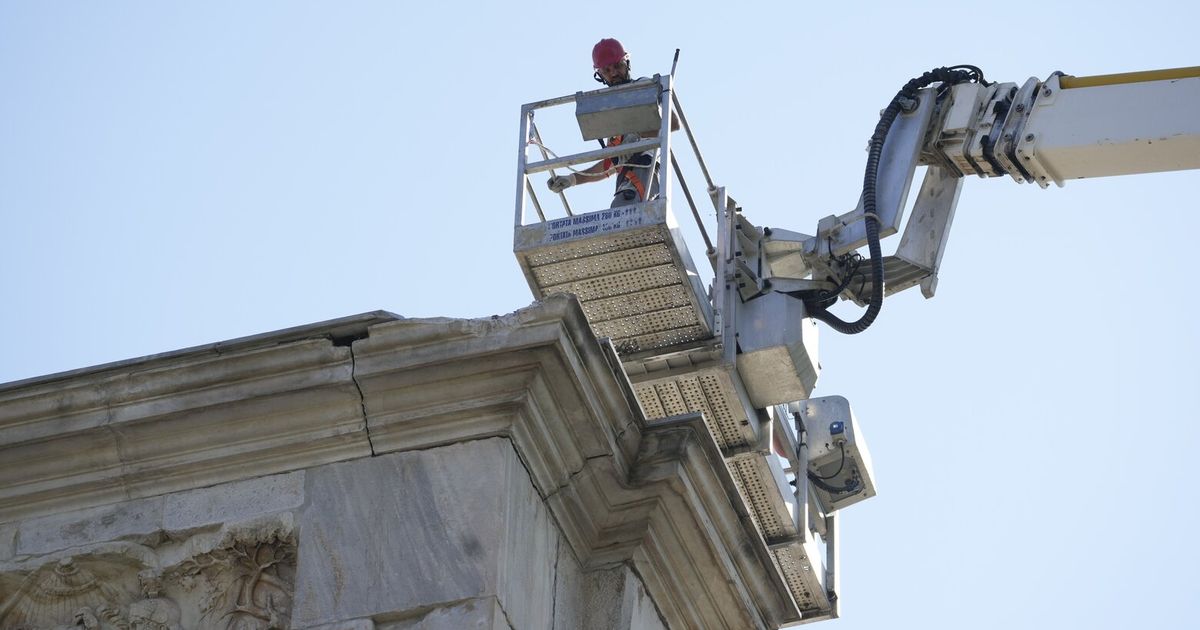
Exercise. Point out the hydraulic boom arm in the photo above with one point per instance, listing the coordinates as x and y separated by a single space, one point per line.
1073 127
957 124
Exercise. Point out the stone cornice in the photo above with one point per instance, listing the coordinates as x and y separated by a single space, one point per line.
189 421
657 497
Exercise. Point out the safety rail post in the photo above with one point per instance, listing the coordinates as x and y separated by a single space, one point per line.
663 154
522 178
724 289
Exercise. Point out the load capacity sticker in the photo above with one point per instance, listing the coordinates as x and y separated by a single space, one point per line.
592 223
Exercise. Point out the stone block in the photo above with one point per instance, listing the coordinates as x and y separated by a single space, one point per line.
233 502
568 591
601 595
528 553
601 599
642 613
404 531
136 520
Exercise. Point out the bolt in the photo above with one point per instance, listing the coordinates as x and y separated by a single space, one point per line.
1020 107
1029 138
1008 136
1047 91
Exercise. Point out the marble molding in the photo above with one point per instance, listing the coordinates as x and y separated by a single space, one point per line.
217 487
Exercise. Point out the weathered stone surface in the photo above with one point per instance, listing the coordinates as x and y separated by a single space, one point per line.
600 599
537 375
411 530
528 552
245 582
580 600
187 420
138 520
149 520
53 595
241 580
233 502
637 601
501 477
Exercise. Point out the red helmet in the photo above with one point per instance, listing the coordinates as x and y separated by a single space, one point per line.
607 52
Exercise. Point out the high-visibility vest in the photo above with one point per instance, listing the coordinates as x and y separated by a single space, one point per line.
628 178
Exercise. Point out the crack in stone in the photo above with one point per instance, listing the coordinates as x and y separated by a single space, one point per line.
507 620
642 583
624 429
570 478
122 458
362 400
554 584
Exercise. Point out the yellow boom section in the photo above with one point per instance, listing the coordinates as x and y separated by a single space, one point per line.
1067 82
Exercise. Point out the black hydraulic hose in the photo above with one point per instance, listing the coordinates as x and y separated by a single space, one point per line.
841 466
817 308
851 485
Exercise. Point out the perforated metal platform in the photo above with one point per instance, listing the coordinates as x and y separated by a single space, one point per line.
804 578
712 390
630 270
698 380
799 559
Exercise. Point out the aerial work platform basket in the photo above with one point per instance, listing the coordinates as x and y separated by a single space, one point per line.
628 265
678 342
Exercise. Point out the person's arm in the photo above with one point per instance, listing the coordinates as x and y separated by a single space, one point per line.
594 173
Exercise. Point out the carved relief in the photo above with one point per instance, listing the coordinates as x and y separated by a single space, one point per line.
153 612
247 586
60 594
245 583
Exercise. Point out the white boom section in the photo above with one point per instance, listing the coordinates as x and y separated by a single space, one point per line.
1075 127
1112 129
1048 131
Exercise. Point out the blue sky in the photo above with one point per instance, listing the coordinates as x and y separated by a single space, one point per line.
173 174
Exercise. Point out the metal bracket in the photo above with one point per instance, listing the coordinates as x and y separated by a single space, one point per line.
897 163
925 234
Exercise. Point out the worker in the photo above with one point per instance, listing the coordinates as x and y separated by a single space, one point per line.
636 175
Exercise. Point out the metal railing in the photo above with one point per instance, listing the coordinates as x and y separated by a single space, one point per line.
671 116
